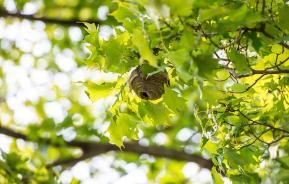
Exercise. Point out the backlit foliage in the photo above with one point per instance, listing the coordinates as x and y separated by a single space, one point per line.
227 63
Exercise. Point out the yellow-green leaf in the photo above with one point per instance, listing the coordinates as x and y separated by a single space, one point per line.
97 91
90 27
216 176
173 101
139 40
125 125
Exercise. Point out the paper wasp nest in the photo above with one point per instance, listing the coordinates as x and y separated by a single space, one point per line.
148 87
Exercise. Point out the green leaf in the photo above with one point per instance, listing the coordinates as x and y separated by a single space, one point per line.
154 114
216 176
118 57
147 69
238 87
174 101
97 91
239 61
242 158
188 40
139 40
90 28
113 51
207 66
244 16
181 8
239 14
125 125
251 178
211 147
283 18
255 41
180 57
213 12
183 62
277 49
123 13
235 120
211 94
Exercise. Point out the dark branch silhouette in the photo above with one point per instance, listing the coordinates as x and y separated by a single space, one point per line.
91 149
63 22
263 72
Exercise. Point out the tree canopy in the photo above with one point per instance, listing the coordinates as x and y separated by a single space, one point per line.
66 94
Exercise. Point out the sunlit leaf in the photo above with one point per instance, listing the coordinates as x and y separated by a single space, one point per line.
97 91
139 40
154 114
239 87
216 176
125 125
173 101
182 8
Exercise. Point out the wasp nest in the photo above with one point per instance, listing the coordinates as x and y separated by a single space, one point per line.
146 86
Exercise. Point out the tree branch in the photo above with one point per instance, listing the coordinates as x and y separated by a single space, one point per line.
91 149
71 22
266 72
249 87
256 72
